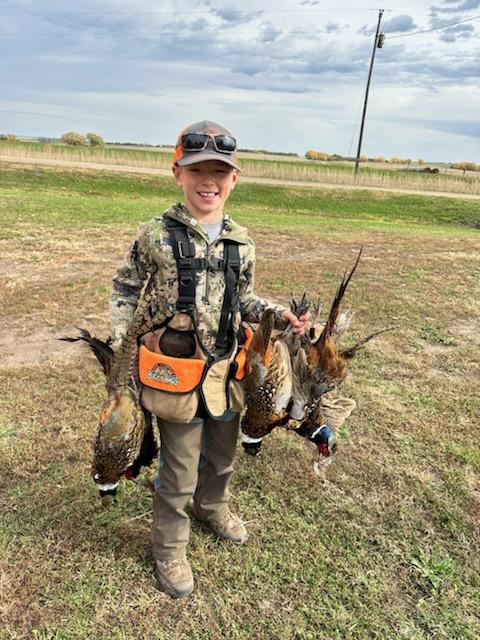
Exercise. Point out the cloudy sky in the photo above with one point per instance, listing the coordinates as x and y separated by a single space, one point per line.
285 75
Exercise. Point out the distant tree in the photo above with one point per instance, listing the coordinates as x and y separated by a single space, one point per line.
421 162
363 158
316 155
465 166
396 160
73 138
8 137
408 161
95 140
379 159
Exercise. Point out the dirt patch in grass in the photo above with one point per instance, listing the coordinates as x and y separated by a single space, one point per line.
23 347
51 284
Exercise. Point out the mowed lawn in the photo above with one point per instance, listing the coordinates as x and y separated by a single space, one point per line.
386 546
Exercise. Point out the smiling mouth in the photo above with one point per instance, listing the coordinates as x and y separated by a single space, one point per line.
207 194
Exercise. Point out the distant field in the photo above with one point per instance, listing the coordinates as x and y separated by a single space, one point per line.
273 167
385 547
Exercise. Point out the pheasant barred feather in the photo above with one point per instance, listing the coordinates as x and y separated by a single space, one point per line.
124 440
268 385
318 366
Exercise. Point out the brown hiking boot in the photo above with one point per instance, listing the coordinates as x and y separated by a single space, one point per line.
229 527
175 577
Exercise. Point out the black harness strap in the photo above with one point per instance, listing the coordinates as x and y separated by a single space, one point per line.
188 266
231 258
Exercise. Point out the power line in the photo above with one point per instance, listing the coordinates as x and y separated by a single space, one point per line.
186 32
174 12
444 26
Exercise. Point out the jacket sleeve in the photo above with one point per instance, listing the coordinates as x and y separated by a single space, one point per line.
127 286
252 307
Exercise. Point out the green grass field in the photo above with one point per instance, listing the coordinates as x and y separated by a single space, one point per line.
386 546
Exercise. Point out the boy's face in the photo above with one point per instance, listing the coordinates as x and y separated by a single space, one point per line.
206 186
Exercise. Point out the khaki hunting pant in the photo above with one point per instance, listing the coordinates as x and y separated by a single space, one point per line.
181 479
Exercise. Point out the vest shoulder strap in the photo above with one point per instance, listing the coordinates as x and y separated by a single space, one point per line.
230 298
183 249
188 266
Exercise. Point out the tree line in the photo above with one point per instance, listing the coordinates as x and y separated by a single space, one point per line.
311 154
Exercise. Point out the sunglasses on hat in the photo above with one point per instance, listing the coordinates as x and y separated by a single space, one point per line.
199 142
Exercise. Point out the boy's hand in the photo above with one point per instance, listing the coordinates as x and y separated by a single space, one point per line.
301 324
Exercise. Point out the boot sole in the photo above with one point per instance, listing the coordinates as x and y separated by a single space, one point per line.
166 587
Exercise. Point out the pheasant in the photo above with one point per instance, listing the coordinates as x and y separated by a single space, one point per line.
268 385
125 440
319 366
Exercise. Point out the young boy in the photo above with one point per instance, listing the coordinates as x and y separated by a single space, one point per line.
201 268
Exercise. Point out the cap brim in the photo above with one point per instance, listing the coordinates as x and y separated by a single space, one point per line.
203 156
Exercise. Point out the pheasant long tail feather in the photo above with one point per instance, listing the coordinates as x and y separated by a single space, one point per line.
351 351
124 358
332 316
102 350
317 310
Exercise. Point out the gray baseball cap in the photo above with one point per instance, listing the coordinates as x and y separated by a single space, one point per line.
213 147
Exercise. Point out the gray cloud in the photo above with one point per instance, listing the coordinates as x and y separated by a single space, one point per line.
200 24
269 32
367 29
287 65
234 16
468 128
462 31
466 5
399 23
332 27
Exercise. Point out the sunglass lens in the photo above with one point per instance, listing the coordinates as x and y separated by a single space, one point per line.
194 141
226 143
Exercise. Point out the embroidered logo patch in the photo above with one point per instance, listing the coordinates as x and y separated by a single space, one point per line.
163 373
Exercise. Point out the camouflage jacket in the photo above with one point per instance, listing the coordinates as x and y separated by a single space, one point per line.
151 253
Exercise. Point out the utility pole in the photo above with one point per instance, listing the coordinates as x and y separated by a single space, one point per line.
378 43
